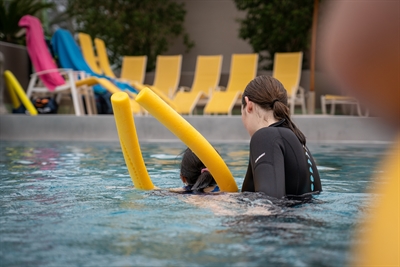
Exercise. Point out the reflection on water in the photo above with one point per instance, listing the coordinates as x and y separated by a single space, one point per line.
73 204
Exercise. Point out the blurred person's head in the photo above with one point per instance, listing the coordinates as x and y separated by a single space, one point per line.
361 51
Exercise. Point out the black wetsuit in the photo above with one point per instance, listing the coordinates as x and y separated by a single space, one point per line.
280 165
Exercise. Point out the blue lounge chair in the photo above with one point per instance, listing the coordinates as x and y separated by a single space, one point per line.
70 56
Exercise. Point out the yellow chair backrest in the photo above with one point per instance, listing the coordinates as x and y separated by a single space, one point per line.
168 73
207 73
134 68
287 69
103 57
243 70
86 44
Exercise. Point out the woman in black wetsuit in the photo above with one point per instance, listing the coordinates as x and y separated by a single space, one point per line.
280 164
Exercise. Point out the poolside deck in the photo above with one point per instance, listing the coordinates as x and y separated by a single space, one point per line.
317 128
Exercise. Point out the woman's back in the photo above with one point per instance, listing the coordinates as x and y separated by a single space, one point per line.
280 165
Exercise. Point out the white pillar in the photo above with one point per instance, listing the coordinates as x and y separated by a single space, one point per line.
311 102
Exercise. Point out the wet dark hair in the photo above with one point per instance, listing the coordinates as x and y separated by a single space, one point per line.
270 94
191 167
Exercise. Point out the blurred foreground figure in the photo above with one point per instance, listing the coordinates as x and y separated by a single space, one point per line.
361 51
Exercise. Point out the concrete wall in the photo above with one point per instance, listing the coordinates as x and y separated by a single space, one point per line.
317 128
212 26
16 60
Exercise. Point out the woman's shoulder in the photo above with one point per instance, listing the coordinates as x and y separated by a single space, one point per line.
265 130
271 133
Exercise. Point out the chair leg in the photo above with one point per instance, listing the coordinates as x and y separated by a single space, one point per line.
359 109
88 103
93 101
75 101
323 105
30 87
333 106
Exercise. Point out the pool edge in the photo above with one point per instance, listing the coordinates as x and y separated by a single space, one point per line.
317 128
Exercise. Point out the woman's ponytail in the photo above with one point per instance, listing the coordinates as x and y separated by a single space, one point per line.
281 111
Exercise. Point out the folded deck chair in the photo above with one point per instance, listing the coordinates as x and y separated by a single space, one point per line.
70 56
334 100
206 79
243 70
287 70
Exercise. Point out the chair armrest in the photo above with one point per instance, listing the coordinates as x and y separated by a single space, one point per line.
184 89
51 71
220 88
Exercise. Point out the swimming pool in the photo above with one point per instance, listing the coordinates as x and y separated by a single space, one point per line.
73 204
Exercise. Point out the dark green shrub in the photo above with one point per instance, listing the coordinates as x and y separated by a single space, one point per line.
129 27
12 11
276 26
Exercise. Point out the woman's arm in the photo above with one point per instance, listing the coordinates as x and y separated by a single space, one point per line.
248 184
268 165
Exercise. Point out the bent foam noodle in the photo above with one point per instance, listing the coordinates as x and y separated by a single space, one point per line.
129 141
190 136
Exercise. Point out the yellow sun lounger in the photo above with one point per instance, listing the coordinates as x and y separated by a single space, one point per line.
287 70
102 57
167 74
133 68
205 82
168 68
243 70
86 45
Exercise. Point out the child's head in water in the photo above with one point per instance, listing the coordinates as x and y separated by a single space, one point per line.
194 173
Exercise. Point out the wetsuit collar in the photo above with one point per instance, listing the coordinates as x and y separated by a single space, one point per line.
278 123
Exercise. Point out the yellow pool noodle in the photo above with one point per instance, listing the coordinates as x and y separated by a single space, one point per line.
380 241
190 136
15 90
129 141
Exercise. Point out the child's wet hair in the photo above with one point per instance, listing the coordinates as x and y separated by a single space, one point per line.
191 168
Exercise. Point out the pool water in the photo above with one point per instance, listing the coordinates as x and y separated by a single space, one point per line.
74 204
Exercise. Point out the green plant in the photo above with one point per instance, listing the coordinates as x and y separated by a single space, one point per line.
131 27
12 11
276 26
